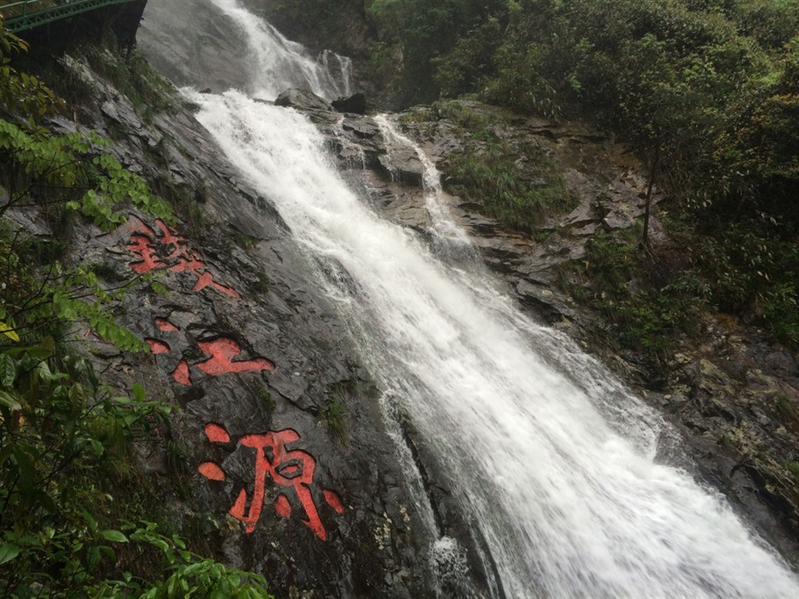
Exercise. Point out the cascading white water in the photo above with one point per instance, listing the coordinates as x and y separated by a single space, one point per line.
276 63
445 231
556 470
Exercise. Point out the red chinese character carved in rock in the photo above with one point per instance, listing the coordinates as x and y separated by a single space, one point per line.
290 468
141 244
170 237
169 251
222 352
157 347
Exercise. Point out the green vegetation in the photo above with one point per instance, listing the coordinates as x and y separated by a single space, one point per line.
335 414
488 173
134 77
517 184
261 286
75 515
707 91
22 93
646 305
269 402
64 444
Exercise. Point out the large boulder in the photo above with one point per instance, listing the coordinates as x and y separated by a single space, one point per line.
302 99
355 104
402 164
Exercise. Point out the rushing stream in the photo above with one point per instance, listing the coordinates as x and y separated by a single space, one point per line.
551 459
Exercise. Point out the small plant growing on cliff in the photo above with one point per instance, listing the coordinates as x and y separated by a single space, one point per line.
59 169
269 401
488 172
62 431
335 414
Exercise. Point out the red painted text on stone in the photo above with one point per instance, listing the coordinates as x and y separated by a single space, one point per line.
166 250
289 468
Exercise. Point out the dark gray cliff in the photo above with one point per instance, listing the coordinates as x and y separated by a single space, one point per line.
287 467
723 395
193 43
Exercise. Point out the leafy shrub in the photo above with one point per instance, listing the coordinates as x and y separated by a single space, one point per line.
645 312
517 185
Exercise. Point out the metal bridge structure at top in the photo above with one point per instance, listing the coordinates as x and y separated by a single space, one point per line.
29 14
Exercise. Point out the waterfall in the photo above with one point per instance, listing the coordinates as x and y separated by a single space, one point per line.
548 455
450 238
276 63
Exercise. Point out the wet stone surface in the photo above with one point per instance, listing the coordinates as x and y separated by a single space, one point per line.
288 468
734 397
256 357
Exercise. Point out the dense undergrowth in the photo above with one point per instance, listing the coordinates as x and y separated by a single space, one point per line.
77 519
516 183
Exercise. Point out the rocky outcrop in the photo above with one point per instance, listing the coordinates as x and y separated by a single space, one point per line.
277 459
356 104
302 99
735 397
193 44
348 31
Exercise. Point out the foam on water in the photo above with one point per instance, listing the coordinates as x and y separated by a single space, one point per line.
548 455
276 63
568 506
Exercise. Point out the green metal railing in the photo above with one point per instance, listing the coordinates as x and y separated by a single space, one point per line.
20 16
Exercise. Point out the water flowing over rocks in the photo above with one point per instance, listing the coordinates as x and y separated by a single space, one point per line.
376 540
735 386
278 411
280 455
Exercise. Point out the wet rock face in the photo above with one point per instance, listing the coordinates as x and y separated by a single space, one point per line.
738 399
192 43
288 468
599 172
355 104
735 398
290 471
302 99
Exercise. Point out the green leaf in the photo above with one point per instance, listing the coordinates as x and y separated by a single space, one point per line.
8 332
27 471
8 551
98 448
114 536
42 351
138 392
93 557
90 520
8 370
191 569
9 401
47 502
159 288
